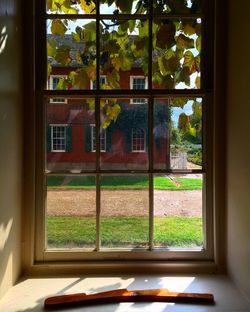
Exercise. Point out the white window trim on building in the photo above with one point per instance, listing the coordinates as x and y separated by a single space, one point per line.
103 131
101 77
138 101
133 133
64 138
50 87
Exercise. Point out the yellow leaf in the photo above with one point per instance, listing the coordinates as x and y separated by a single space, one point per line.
116 62
58 28
189 30
88 8
113 111
198 82
49 69
198 44
91 71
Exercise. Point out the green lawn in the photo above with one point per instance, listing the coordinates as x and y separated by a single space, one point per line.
124 232
126 182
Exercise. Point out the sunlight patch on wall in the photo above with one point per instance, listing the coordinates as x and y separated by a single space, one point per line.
3 39
4 233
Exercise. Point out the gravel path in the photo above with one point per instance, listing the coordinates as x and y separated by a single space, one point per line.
123 203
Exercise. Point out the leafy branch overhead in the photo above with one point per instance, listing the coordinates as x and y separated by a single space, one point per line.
124 44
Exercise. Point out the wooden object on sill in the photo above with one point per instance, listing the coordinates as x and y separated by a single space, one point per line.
124 295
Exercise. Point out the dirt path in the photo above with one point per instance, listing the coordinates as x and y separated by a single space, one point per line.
123 203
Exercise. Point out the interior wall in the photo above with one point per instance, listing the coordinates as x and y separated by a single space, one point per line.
11 144
238 144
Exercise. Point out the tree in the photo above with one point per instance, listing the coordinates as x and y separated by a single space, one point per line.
124 45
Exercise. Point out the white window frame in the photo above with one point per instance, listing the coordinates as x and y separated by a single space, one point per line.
169 255
101 77
50 87
93 138
52 137
134 130
131 80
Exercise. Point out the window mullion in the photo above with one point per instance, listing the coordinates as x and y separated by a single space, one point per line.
98 178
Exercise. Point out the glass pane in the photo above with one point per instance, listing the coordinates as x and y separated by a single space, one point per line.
124 53
71 7
71 212
124 211
176 54
123 7
71 54
178 211
126 134
177 7
178 133
69 135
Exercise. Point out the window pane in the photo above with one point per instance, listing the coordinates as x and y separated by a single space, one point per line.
69 136
123 7
178 211
71 54
126 128
70 212
178 133
177 7
176 54
71 7
124 211
123 52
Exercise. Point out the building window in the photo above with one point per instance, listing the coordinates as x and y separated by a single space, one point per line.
138 140
102 139
138 83
53 85
103 81
58 138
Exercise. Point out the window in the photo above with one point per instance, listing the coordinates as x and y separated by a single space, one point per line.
53 84
138 140
58 138
149 196
102 139
103 81
138 83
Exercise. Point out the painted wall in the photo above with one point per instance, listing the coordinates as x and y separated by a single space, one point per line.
238 144
11 144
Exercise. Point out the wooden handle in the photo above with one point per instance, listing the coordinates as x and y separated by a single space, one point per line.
123 295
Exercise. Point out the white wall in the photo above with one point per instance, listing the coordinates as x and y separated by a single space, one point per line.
11 144
238 144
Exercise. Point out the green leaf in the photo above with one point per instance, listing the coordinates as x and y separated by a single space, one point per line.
51 47
184 76
79 78
179 102
165 37
113 79
111 46
63 55
125 6
183 42
58 27
188 59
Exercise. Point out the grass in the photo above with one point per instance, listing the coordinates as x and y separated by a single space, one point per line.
126 182
124 232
